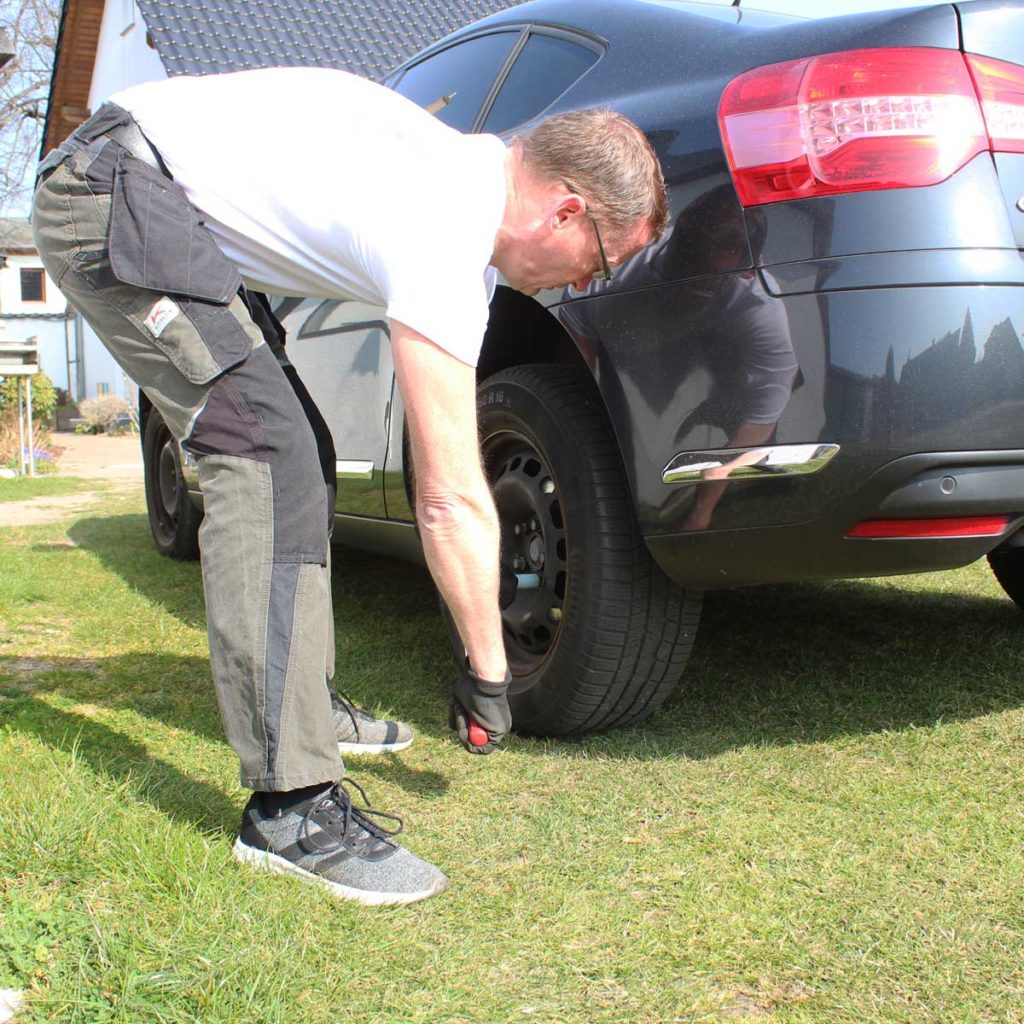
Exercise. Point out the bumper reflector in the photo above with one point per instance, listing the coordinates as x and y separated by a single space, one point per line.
965 526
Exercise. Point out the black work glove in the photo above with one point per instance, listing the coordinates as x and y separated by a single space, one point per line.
486 704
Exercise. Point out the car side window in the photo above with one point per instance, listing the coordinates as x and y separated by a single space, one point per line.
547 67
465 72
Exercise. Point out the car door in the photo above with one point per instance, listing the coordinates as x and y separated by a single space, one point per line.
341 351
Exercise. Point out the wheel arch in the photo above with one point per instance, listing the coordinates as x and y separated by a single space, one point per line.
521 330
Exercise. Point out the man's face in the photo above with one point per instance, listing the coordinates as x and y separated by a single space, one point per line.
565 250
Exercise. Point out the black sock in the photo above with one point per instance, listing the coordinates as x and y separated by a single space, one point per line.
284 800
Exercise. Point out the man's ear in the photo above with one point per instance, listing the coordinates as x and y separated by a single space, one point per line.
569 207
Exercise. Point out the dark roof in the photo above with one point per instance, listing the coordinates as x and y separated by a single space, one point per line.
16 235
368 37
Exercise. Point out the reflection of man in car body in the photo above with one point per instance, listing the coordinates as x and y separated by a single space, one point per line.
390 207
735 332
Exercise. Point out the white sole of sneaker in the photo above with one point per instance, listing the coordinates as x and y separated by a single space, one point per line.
374 748
267 861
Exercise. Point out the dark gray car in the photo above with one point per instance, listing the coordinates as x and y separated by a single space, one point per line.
816 373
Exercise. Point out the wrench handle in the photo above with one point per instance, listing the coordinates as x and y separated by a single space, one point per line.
477 734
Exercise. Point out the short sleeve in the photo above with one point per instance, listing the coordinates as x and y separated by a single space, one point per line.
448 304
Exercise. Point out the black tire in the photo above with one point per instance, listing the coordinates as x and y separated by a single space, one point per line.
1008 566
605 637
173 517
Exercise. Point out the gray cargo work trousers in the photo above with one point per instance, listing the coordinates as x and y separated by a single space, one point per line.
129 251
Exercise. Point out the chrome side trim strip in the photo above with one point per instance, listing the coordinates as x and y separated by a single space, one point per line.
347 469
354 469
763 463
383 536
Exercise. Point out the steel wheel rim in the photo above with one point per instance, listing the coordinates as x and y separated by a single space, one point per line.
167 483
533 541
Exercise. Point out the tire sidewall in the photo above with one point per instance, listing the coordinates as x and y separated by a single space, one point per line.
506 405
183 543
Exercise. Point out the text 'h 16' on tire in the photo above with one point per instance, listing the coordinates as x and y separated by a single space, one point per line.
606 635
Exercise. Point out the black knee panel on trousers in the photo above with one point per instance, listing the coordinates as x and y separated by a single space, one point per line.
253 412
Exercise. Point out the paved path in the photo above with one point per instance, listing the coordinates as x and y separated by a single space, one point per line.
100 456
93 456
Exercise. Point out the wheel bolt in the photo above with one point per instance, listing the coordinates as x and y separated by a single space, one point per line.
555 614
517 529
533 524
518 562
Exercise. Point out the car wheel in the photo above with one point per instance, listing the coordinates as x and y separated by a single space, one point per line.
173 517
604 635
1008 566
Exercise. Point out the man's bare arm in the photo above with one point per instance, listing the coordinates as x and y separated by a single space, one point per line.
457 520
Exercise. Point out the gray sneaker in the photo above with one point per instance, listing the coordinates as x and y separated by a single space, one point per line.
330 842
359 732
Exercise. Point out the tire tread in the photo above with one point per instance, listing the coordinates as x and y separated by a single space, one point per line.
640 627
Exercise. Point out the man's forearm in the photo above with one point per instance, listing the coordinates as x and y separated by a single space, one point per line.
460 539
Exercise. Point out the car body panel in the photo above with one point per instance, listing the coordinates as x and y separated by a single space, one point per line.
342 351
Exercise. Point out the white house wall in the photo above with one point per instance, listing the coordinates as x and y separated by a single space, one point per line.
122 58
17 318
10 288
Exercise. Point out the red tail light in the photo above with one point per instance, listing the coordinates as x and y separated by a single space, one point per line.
866 119
1001 88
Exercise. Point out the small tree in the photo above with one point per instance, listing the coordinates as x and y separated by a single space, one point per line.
14 443
44 396
24 88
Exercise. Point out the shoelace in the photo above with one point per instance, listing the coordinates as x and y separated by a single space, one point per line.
342 698
338 796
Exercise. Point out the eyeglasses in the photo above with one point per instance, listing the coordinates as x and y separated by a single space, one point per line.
605 273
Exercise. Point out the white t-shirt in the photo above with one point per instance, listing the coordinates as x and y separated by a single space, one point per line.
316 182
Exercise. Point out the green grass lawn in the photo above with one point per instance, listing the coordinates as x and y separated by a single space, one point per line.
24 487
824 825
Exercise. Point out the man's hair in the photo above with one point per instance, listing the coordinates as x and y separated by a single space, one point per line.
606 159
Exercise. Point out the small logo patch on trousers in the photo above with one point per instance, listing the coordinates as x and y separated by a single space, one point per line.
160 316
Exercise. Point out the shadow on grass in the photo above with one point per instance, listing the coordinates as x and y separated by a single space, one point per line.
173 692
108 752
814 662
772 665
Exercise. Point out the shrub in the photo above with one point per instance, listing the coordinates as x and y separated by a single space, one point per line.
44 396
106 414
44 451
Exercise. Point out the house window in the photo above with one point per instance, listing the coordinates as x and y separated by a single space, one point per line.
102 388
33 284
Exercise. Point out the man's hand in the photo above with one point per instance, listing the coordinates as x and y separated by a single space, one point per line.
474 700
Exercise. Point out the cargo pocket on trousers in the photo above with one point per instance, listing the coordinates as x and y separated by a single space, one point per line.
158 243
157 240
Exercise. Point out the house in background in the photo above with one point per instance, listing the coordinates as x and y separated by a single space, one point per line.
106 45
32 307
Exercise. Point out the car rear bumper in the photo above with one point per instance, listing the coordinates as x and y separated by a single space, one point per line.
939 485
